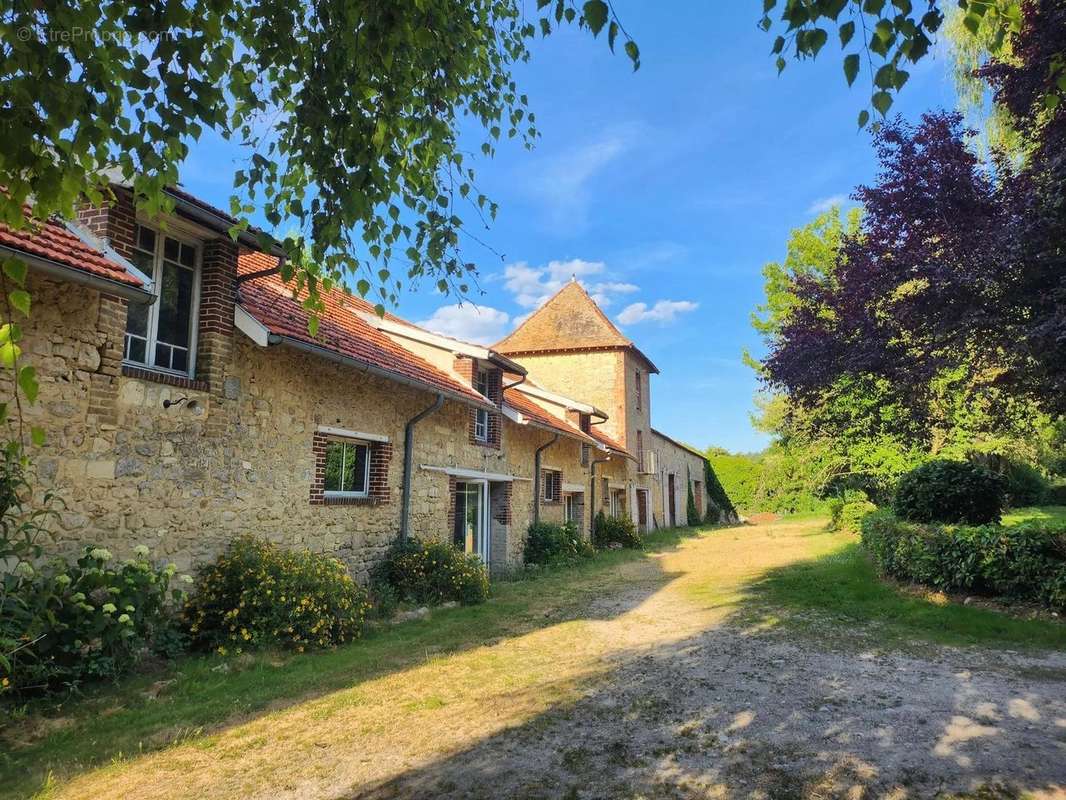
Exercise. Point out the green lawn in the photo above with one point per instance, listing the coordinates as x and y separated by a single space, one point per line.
1055 514
532 647
112 723
840 586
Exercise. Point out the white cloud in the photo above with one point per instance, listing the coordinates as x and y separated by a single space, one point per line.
562 180
532 286
471 323
826 203
663 311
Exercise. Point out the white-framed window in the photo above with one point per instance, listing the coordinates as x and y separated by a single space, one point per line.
481 416
552 481
163 335
570 508
347 468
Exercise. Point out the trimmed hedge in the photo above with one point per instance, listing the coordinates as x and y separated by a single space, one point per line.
1024 562
847 515
548 543
429 572
950 491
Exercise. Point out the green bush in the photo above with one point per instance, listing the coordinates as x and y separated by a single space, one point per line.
62 623
621 531
1025 562
1056 495
257 594
846 513
430 572
547 543
1025 485
65 624
950 491
692 516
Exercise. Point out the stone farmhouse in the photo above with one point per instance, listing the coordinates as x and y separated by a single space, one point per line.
185 402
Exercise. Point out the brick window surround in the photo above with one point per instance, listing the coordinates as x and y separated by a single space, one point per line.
378 492
551 487
466 368
115 222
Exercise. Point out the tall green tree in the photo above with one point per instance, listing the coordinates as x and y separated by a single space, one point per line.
348 113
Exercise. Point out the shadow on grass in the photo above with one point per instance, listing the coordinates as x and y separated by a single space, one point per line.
196 695
842 588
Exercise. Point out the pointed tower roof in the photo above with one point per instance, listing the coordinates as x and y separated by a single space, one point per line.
569 322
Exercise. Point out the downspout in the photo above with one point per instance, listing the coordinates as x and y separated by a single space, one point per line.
592 487
408 461
537 478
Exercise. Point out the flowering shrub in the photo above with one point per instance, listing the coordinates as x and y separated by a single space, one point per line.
1026 561
433 572
88 620
615 530
547 543
258 594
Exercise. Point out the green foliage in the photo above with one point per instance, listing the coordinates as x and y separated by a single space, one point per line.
431 572
950 491
896 34
615 531
257 594
846 513
720 506
550 544
737 474
360 151
692 516
1025 485
1025 561
90 620
65 623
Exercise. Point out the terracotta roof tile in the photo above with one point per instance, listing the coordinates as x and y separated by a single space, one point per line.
606 440
570 321
54 241
527 408
340 330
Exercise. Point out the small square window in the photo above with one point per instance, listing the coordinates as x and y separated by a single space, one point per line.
347 469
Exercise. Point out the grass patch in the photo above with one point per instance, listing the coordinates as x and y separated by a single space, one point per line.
200 693
840 587
1054 514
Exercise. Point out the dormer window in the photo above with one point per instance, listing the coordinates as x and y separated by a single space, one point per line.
481 416
163 335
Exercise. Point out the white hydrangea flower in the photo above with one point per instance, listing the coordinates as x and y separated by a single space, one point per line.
100 553
141 550
125 619
24 570
185 579
63 580
109 608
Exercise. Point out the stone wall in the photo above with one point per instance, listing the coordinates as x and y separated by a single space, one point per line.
237 454
687 467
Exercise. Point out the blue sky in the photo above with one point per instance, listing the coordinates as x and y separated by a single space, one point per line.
668 187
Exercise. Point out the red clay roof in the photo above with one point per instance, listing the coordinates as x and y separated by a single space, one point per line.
606 440
340 331
570 321
52 240
527 408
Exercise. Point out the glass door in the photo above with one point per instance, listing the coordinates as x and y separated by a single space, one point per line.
471 518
